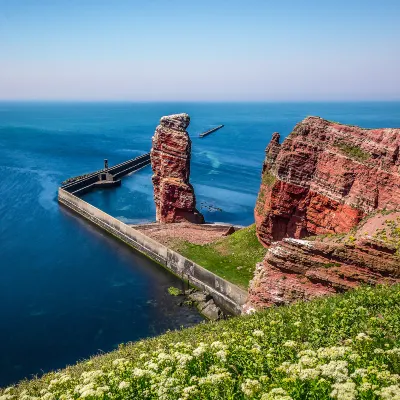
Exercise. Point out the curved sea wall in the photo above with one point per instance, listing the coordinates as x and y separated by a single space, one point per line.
225 294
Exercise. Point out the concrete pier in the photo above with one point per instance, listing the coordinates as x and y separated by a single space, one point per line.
210 131
107 177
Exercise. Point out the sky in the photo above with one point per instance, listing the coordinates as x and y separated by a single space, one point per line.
200 50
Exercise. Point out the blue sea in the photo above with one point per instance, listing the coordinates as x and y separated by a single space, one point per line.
69 291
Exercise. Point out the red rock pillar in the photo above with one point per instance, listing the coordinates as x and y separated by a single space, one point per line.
170 160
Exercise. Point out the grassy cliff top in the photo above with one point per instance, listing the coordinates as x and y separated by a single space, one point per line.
341 347
233 257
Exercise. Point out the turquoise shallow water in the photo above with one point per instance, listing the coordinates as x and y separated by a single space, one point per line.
67 290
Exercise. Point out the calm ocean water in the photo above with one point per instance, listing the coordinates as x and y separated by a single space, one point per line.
67 290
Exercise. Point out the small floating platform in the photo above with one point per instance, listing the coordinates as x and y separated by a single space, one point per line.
211 131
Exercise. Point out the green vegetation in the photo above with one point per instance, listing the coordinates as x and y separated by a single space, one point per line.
233 257
331 264
336 237
260 201
341 347
173 291
268 179
352 151
390 234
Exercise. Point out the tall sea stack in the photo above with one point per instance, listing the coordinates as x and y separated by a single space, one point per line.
170 161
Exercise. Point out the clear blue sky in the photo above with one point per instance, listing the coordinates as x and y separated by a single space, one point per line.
278 50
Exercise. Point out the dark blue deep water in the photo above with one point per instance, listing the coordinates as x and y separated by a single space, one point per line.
67 290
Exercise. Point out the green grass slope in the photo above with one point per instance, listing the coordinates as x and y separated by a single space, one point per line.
233 257
342 347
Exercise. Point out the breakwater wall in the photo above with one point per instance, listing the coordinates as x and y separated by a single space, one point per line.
86 183
225 294
210 131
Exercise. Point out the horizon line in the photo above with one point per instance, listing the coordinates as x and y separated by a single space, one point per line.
197 101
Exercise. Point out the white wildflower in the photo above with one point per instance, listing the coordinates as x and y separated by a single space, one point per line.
333 353
307 361
215 378
221 355
183 358
354 357
344 391
200 350
363 337
309 374
290 343
251 387
88 393
218 346
336 370
258 333
387 377
276 394
120 361
189 392
123 385
394 352
390 393
309 353
359 373
367 386
48 396
139 373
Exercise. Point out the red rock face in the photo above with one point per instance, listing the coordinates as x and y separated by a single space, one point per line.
296 269
324 178
170 161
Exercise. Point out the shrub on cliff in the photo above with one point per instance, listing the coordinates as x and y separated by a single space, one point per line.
343 347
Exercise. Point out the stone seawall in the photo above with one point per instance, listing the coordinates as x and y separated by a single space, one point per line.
225 294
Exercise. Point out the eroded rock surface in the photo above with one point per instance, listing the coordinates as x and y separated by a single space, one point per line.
338 185
170 160
324 178
297 269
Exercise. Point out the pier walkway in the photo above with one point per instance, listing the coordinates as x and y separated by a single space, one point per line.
107 177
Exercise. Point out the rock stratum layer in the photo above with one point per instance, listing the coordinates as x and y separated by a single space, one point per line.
323 180
298 269
170 160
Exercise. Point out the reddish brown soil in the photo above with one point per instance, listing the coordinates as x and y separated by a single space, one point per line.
167 234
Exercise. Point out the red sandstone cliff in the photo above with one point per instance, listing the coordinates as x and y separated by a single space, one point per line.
324 179
298 269
170 161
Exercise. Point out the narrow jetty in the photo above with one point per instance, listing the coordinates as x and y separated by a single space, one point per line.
211 131
106 177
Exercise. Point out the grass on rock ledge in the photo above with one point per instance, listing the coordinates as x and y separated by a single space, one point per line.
233 257
341 347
